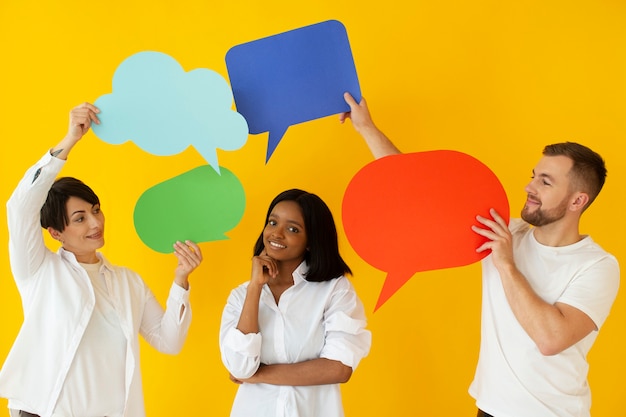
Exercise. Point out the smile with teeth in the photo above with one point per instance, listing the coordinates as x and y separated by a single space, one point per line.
277 245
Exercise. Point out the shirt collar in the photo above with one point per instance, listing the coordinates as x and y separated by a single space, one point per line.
70 257
300 273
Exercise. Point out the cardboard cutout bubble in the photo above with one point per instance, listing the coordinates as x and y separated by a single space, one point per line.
164 110
200 205
292 77
413 212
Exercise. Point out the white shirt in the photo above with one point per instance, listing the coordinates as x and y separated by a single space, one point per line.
58 302
95 381
312 320
513 378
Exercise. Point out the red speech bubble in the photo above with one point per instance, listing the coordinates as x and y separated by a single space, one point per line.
413 212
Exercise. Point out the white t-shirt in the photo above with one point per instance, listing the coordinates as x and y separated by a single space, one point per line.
513 379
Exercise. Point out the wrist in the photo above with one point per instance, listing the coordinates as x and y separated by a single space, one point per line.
183 283
254 288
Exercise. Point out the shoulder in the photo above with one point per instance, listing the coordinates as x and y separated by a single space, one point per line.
597 256
239 292
518 226
336 285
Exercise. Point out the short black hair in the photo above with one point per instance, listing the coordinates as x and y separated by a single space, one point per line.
54 210
322 257
588 170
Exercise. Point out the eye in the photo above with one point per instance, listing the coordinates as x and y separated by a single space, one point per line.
271 222
293 229
79 219
96 210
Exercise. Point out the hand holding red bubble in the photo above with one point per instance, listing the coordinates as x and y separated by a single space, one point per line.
414 212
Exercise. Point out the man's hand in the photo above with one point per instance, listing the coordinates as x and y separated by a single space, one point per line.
500 240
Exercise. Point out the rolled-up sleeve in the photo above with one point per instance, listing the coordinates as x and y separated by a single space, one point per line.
346 340
241 353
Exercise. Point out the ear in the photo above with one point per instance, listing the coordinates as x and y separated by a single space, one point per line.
579 202
54 233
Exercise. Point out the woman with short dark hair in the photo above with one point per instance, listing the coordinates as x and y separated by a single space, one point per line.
77 352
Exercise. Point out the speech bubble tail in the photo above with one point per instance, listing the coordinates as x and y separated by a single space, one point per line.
392 284
272 142
210 155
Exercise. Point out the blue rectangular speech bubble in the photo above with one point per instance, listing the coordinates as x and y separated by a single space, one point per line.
292 77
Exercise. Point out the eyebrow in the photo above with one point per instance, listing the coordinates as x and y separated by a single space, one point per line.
84 211
544 175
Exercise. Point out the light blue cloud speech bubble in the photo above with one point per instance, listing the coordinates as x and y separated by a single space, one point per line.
198 205
292 77
164 109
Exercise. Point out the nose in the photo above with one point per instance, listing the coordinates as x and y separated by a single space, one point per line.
94 222
272 232
530 187
277 233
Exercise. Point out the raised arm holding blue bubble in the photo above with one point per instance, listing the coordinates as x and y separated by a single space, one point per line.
77 352
296 330
547 288
362 121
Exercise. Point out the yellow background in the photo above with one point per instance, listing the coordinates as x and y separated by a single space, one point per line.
495 79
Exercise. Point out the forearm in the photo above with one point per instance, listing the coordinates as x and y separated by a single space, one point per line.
546 324
378 143
319 371
63 148
167 330
249 318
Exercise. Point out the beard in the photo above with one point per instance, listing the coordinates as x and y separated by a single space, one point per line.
541 217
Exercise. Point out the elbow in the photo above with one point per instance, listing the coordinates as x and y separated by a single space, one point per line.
548 351
241 370
345 373
167 346
243 374
171 350
550 347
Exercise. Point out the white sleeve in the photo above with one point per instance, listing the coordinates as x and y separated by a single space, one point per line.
594 289
166 331
241 353
347 339
26 244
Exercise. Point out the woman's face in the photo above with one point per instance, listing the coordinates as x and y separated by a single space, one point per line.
284 235
84 233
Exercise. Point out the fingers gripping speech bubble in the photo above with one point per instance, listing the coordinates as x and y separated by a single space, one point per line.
198 205
164 109
292 77
413 212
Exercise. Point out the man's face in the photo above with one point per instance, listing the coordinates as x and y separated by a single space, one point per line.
549 191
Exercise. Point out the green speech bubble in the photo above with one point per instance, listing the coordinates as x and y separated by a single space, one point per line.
199 205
